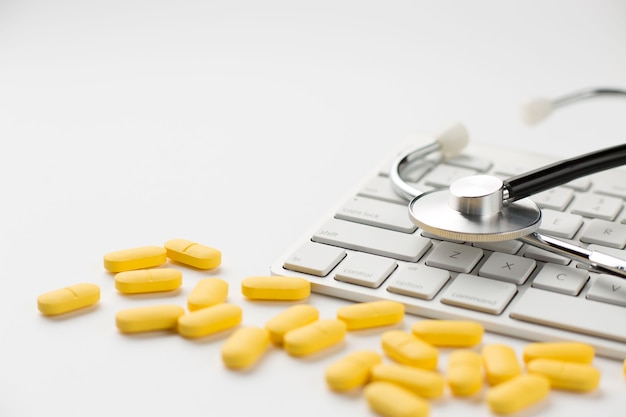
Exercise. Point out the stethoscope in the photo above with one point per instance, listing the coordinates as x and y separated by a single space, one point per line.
485 208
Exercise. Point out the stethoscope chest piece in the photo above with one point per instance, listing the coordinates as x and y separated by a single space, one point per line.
472 210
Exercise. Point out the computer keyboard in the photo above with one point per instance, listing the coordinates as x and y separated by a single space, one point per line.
366 248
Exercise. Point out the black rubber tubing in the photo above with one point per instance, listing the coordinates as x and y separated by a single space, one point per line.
559 173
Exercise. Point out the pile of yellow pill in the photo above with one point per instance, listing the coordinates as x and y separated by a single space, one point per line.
397 381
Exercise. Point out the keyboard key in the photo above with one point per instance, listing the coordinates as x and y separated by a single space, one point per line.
558 224
418 281
608 289
579 184
442 176
509 268
605 233
377 213
348 235
562 279
365 270
455 257
315 259
555 198
597 206
380 189
508 246
481 294
471 162
612 189
571 313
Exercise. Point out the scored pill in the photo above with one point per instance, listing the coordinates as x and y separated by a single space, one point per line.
425 383
351 371
245 347
565 351
275 288
464 375
291 318
371 314
407 349
193 254
148 318
518 393
566 375
500 363
209 320
68 299
148 280
449 333
391 400
314 337
135 258
207 292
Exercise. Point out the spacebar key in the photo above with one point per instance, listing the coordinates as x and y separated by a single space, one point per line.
403 246
570 313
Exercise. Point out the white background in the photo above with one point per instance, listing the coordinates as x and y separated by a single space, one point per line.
237 124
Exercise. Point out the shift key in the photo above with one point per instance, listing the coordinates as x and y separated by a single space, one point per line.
402 246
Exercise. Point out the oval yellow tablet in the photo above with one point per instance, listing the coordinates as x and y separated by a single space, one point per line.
371 314
209 320
245 347
68 299
425 383
292 318
500 362
566 375
464 375
449 333
136 258
391 400
407 349
276 288
148 280
193 254
148 318
565 351
351 371
207 292
314 337
517 393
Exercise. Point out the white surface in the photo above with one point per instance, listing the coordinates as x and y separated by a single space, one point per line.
237 124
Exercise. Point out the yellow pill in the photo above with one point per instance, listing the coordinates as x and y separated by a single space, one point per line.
518 393
136 258
566 375
149 318
500 363
148 280
407 349
314 337
464 375
449 333
290 319
68 299
371 314
276 288
245 347
351 371
193 254
565 351
391 400
209 320
207 292
428 384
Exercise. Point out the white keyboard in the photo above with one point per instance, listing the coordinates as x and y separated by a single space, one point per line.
366 248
